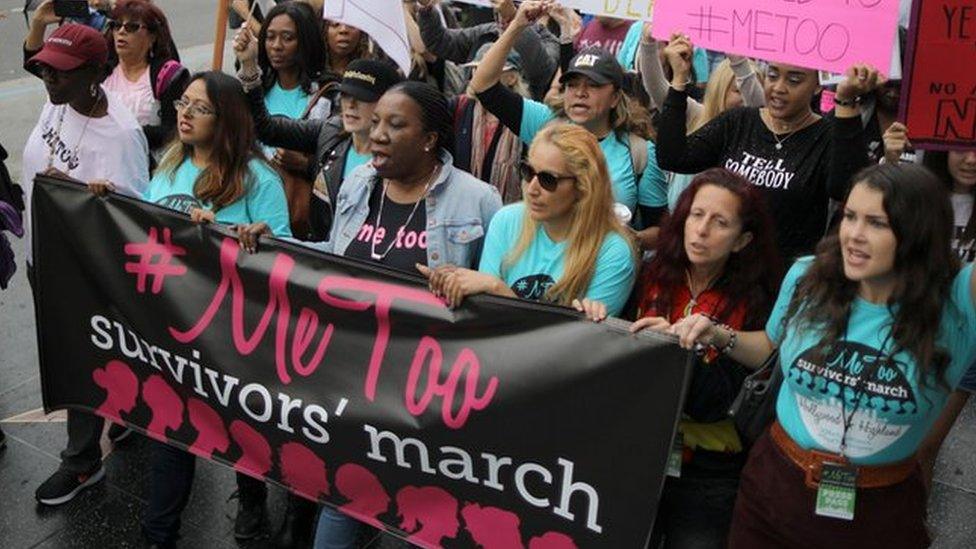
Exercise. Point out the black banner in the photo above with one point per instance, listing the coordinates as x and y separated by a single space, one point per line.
501 424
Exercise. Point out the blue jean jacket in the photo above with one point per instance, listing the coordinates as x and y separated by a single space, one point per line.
459 207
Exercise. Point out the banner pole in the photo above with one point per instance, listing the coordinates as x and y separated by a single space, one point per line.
220 34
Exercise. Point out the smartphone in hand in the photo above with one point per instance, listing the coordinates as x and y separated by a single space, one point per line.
72 9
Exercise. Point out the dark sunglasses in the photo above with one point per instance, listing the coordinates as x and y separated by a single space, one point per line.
129 27
547 181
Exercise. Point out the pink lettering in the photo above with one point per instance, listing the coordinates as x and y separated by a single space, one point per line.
471 401
346 294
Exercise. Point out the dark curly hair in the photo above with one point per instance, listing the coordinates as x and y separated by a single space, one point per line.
751 276
920 216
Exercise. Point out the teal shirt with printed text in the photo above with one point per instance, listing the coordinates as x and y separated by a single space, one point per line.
542 264
263 200
651 190
895 411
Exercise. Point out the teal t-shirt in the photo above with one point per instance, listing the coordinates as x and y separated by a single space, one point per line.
895 412
264 199
652 188
353 161
542 263
291 103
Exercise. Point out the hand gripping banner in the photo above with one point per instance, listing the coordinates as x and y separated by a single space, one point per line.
499 424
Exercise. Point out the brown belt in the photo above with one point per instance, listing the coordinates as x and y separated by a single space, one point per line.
811 462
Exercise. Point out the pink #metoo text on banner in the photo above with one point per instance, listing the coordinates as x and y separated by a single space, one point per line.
828 35
501 424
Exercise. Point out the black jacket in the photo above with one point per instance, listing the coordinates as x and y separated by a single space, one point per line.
325 140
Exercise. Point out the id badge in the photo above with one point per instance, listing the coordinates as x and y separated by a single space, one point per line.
837 491
676 455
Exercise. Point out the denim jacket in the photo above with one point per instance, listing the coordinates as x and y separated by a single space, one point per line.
459 207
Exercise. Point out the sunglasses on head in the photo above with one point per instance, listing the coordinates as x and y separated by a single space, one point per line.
547 181
130 27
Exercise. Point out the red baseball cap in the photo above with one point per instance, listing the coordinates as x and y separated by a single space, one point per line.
71 46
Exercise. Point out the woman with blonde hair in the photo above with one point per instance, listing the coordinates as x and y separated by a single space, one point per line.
592 96
563 242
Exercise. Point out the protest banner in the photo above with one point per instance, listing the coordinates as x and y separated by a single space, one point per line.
828 35
382 20
938 95
501 422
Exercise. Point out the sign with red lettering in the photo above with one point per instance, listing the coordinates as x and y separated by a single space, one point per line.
829 35
938 95
503 423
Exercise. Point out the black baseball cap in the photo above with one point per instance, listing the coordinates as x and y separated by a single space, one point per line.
368 79
598 65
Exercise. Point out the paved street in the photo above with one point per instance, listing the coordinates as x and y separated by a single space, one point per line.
107 515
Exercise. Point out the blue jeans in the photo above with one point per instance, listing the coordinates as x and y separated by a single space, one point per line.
335 530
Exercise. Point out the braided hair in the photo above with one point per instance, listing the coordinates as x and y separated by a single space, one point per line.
435 115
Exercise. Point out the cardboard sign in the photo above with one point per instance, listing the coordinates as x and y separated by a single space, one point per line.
382 20
939 91
828 35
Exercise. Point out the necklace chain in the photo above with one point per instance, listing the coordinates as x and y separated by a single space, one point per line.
379 217
693 302
84 128
799 126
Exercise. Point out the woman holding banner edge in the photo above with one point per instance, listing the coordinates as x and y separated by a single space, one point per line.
883 315
716 256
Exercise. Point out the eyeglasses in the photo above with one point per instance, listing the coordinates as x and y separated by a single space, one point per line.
129 27
547 181
193 109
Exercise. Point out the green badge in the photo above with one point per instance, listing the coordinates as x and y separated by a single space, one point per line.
676 455
837 491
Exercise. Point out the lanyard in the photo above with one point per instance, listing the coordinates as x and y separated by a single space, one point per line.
862 376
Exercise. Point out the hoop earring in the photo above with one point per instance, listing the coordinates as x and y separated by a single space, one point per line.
93 89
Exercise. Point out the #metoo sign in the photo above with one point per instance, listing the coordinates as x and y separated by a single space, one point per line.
939 92
829 35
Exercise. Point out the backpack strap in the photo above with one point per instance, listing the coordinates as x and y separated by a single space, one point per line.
319 93
165 75
638 155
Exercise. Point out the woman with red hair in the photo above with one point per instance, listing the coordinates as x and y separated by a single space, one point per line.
716 256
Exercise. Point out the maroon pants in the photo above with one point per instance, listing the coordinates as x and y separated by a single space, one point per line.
775 508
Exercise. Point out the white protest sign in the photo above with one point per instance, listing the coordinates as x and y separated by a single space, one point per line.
623 9
382 20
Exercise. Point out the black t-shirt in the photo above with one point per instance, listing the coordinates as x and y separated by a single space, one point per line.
407 243
814 164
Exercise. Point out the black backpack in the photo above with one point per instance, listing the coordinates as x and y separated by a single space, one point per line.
10 192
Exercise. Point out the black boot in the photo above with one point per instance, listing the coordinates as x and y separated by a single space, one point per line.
296 529
251 495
